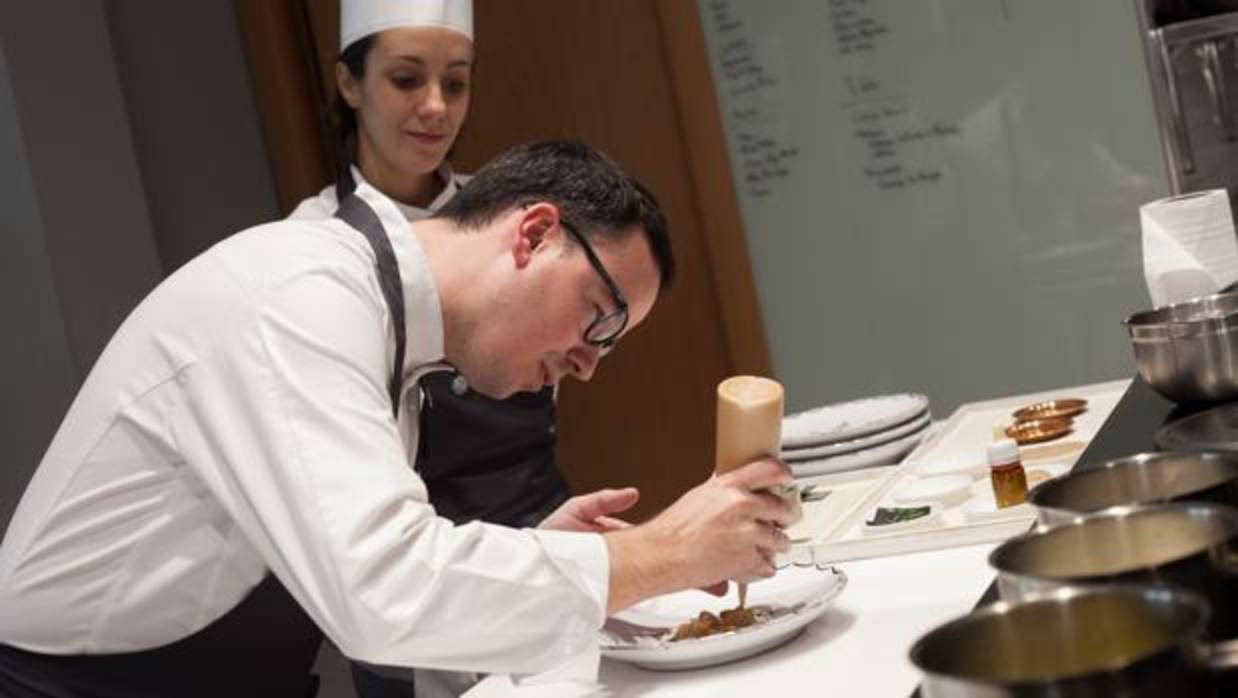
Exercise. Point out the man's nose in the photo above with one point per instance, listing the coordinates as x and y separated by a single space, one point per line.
584 361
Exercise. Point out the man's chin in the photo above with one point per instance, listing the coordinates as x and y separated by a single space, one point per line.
493 391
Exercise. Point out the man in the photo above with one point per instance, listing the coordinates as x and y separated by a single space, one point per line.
243 442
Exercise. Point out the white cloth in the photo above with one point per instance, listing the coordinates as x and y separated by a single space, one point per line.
239 419
576 678
1189 246
360 18
317 208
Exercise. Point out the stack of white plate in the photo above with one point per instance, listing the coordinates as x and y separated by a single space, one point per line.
857 434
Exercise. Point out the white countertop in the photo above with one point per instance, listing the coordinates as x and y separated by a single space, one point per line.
858 648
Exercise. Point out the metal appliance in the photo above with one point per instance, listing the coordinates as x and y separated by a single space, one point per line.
1193 64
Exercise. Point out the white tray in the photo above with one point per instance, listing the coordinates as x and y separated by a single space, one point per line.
836 532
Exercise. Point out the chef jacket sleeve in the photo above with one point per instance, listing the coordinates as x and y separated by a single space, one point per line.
289 424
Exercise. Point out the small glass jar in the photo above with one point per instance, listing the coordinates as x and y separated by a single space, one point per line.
1006 473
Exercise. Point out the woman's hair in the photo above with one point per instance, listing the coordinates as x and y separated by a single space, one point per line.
587 187
343 117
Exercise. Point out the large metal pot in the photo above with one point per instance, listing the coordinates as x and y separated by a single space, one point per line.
1120 641
1190 545
1144 478
1189 351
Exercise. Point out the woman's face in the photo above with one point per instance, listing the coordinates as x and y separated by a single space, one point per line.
412 99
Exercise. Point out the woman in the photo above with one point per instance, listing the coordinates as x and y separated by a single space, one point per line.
403 83
403 86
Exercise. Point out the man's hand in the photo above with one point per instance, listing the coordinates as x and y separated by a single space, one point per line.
592 512
726 528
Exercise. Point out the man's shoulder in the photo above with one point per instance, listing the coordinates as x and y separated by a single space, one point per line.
290 247
321 205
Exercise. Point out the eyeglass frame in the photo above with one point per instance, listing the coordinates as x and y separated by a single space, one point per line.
621 303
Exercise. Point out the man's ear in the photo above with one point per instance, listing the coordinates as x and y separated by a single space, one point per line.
536 225
348 86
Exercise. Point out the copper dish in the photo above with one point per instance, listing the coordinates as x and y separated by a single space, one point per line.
1068 407
1034 431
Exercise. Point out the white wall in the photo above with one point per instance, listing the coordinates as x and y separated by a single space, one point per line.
193 121
74 207
40 373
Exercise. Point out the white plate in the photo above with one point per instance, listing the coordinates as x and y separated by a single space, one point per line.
642 634
884 454
841 447
849 420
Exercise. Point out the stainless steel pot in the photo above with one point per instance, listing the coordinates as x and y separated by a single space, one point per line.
1122 641
1189 545
1189 351
1144 478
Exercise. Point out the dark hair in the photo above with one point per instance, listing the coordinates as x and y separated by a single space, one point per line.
589 189
343 118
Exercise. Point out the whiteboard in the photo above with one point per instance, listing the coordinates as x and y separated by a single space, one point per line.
939 196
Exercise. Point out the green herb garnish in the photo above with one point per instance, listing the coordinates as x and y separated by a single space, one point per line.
889 515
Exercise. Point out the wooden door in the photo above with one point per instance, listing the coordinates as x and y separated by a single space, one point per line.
630 77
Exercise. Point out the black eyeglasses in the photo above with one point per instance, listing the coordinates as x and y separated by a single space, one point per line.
605 329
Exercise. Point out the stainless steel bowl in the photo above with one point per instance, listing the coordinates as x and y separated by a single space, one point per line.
1189 351
1144 478
1127 641
1189 545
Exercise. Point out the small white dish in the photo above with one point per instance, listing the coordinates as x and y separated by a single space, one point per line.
850 420
931 519
948 490
972 464
983 507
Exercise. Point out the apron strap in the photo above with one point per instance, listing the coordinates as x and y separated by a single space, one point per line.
358 214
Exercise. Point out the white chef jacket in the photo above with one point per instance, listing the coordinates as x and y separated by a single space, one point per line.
239 420
324 204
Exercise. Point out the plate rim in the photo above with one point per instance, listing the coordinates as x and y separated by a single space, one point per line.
878 438
844 462
813 610
857 431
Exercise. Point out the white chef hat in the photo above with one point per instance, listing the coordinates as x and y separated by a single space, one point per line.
360 18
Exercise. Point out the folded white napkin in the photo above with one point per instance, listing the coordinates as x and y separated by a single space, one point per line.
1189 246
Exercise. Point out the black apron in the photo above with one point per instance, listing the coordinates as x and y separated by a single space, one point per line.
486 459
265 647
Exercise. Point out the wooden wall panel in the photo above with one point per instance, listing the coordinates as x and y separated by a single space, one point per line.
287 89
599 71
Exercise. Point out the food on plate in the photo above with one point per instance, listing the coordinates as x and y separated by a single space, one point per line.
885 516
709 624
